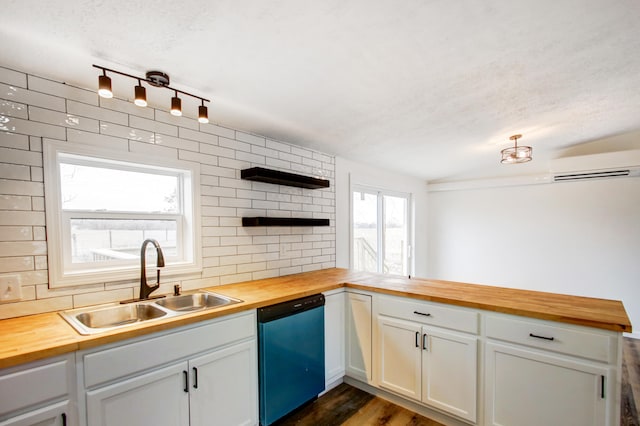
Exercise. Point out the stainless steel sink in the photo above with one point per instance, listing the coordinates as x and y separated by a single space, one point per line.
100 319
196 301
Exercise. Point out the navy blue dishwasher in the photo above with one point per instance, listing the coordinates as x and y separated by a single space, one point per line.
291 355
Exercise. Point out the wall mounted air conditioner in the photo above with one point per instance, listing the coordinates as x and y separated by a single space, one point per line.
596 166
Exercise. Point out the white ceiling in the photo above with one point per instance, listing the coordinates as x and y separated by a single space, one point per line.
430 88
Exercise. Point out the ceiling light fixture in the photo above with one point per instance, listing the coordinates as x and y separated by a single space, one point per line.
516 154
176 105
155 79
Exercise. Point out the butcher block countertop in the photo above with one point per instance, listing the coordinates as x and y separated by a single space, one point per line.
39 336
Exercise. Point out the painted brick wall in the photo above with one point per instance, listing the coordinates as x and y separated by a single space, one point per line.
33 109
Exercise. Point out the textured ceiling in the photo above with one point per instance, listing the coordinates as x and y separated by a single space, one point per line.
430 88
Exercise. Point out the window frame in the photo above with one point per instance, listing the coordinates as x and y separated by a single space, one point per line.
380 214
64 273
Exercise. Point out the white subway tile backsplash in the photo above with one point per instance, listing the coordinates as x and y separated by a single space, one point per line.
18 156
12 140
231 252
29 97
249 138
14 171
17 187
85 110
127 107
12 77
62 119
62 90
152 126
218 130
13 109
32 128
15 202
89 138
15 233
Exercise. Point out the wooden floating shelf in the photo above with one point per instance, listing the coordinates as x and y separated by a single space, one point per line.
283 221
260 174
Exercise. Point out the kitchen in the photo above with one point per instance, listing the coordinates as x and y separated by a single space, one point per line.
577 238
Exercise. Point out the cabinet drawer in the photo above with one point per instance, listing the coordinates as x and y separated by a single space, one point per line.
429 313
35 384
127 359
539 334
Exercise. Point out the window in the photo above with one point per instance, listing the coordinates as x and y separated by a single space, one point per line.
102 205
380 231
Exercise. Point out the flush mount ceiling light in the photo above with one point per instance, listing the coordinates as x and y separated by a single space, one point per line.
155 79
516 154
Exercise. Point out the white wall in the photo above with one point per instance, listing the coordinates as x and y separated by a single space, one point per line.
349 173
33 109
580 238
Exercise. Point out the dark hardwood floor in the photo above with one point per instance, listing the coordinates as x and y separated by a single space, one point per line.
348 406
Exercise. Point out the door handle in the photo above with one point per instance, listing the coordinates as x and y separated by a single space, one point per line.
424 342
64 419
417 336
186 380
195 378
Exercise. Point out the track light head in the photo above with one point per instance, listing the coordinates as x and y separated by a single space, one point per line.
140 95
203 114
104 86
176 106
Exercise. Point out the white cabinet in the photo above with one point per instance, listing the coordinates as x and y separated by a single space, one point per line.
158 398
39 393
359 337
182 377
546 373
223 385
334 337
432 365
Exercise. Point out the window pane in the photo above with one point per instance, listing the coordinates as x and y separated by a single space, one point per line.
103 189
365 231
103 240
395 235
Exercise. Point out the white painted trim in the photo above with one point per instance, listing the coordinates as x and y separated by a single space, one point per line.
490 183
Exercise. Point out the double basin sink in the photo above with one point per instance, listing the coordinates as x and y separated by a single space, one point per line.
104 318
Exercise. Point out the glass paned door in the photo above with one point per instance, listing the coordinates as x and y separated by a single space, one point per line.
380 230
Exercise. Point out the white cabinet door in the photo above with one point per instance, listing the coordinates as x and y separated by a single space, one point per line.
159 398
528 388
400 356
359 336
334 337
51 415
449 371
224 387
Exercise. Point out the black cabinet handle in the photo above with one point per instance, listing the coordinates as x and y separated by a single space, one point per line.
551 339
424 341
186 380
417 336
421 313
602 378
195 378
64 419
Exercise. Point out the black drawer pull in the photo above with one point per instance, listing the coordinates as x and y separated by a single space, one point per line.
186 381
417 336
195 378
542 337
421 313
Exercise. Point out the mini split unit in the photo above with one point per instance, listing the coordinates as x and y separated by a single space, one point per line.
596 166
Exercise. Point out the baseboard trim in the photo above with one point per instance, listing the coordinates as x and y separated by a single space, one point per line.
409 405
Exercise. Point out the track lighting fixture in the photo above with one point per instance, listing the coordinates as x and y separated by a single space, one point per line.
104 85
203 114
156 79
140 95
176 106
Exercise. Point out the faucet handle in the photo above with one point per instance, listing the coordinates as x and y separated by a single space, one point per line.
176 290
